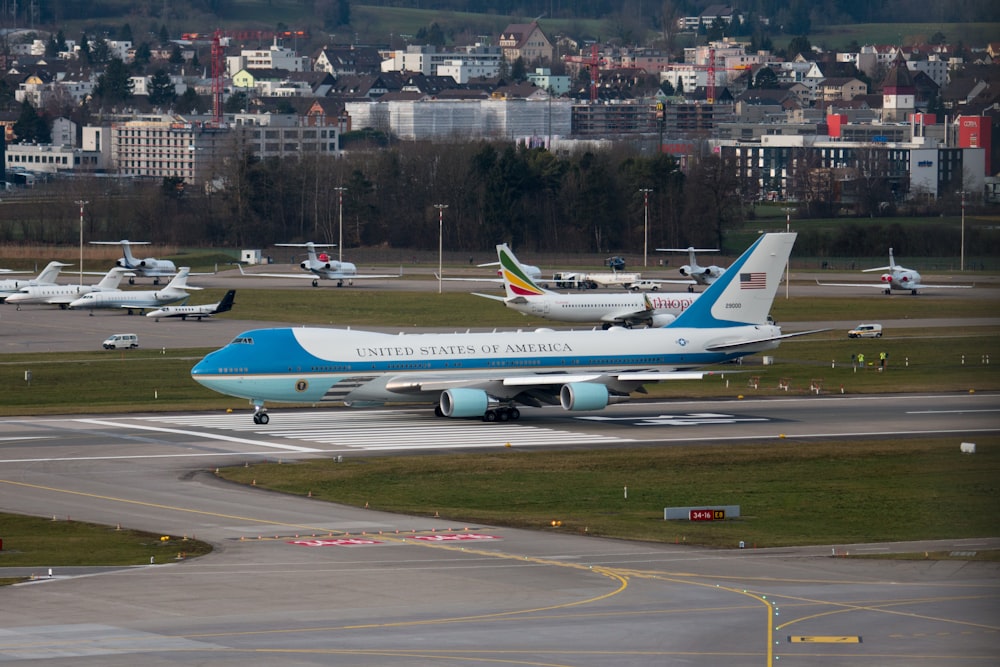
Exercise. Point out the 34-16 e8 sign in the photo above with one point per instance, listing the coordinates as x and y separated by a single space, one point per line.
707 515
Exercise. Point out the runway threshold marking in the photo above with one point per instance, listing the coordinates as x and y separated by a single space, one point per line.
200 434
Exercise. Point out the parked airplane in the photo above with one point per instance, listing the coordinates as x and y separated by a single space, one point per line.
149 267
700 275
140 300
46 277
321 267
488 374
626 309
898 277
530 270
63 295
197 312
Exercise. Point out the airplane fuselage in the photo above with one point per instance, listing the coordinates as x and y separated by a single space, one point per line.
610 307
311 365
135 300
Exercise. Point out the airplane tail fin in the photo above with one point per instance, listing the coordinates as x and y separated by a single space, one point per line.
50 272
516 281
112 279
744 293
180 280
227 302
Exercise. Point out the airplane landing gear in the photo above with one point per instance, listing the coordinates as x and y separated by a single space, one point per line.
502 414
260 414
315 283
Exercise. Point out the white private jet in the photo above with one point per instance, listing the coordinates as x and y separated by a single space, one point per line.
46 277
149 267
63 295
486 375
700 275
625 309
321 267
898 278
140 300
196 312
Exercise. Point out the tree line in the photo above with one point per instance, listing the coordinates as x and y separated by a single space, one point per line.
530 197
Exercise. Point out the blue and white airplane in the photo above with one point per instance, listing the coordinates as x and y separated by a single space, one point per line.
487 375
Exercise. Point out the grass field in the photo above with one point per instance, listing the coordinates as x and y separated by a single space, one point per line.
790 493
63 542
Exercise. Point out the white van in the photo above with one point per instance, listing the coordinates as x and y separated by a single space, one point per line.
116 341
866 331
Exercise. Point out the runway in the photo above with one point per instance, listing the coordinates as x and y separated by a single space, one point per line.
295 581
300 582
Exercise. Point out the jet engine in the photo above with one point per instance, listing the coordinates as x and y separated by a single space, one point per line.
583 396
687 271
662 320
460 402
886 278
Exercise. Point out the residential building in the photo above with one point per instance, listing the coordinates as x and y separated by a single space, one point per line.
525 41
275 57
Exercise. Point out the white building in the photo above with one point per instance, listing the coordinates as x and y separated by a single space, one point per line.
276 57
464 119
427 59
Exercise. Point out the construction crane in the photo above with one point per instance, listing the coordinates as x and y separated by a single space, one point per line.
218 56
593 63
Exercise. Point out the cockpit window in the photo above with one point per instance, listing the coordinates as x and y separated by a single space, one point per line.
242 340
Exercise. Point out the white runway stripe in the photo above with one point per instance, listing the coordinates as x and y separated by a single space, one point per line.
384 430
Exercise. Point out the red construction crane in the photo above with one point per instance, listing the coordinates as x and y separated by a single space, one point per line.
219 57
593 63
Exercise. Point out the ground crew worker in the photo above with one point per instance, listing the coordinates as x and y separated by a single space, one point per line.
882 356
861 360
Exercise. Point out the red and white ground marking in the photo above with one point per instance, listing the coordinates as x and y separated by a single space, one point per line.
338 542
454 537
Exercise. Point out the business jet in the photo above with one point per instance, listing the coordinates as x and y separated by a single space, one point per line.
487 375
141 300
196 312
48 276
321 267
898 278
149 267
63 295
625 309
700 275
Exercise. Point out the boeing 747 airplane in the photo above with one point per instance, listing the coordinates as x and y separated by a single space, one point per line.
626 309
487 375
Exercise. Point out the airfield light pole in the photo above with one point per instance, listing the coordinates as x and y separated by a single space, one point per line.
440 208
340 214
82 203
645 225
788 228
961 262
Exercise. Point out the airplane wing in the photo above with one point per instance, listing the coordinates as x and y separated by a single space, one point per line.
923 286
736 344
878 285
535 383
325 275
494 297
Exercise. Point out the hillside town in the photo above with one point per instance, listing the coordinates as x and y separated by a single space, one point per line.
813 127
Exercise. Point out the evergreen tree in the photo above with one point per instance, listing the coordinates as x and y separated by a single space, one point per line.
189 103
164 35
161 89
30 126
84 50
115 85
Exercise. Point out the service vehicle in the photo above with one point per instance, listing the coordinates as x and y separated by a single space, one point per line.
866 331
121 341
